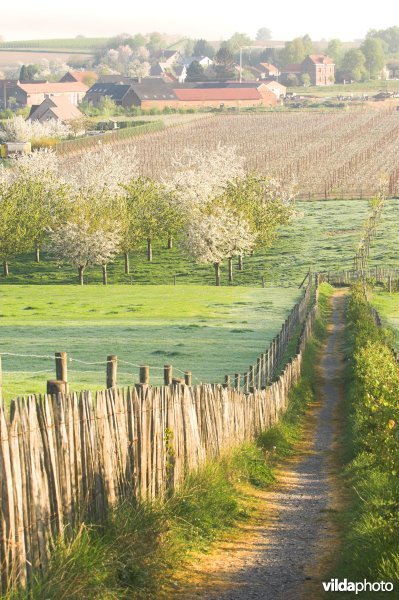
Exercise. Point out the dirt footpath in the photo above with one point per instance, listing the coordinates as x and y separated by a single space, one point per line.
286 550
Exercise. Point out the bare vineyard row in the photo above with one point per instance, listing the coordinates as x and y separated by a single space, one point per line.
324 153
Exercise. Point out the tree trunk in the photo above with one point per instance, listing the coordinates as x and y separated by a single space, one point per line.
230 269
217 273
37 254
149 249
6 272
240 263
105 275
80 272
170 242
127 265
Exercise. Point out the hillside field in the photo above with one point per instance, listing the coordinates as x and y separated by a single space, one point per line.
333 154
210 331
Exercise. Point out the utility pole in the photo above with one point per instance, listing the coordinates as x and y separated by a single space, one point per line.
243 48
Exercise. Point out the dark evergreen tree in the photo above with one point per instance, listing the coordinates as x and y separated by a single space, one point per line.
224 64
195 72
203 48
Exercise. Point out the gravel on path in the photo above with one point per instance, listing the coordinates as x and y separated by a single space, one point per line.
283 555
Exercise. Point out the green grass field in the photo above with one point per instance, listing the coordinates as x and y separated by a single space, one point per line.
388 308
73 44
324 237
210 331
370 87
195 327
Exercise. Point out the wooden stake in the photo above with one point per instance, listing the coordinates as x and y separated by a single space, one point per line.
112 364
187 377
167 374
237 382
61 366
145 375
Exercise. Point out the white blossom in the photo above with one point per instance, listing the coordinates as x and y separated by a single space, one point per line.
198 176
17 129
75 244
217 236
103 169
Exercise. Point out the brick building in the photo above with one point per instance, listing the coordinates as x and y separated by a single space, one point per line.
157 93
34 93
320 68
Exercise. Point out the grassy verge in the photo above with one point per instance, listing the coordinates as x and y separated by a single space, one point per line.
140 548
371 454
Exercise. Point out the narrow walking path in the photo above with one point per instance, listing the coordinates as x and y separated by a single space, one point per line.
286 552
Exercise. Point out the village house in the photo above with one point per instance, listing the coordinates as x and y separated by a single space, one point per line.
11 96
158 93
175 73
391 70
276 87
121 94
145 93
35 92
169 57
293 69
86 77
319 67
55 109
268 71
229 94
204 61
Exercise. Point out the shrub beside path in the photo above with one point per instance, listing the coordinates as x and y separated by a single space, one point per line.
288 548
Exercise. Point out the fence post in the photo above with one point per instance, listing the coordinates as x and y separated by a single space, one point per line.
237 382
1 381
390 284
246 385
61 368
144 374
227 381
259 372
263 374
112 365
167 374
252 377
187 377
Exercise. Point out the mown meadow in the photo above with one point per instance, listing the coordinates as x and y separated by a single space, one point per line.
210 331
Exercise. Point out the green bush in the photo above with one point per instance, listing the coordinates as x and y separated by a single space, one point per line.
371 519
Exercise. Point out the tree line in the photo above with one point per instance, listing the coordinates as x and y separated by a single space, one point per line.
87 211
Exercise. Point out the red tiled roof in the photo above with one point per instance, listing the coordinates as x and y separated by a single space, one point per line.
48 88
268 66
321 59
80 75
217 94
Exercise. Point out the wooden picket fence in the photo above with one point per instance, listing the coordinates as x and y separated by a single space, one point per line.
69 458
377 274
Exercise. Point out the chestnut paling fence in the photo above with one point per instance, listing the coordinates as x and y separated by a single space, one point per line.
67 457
